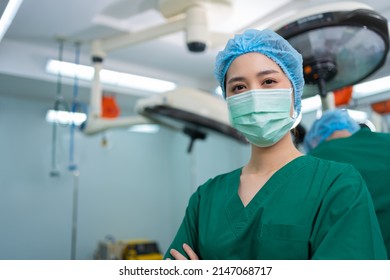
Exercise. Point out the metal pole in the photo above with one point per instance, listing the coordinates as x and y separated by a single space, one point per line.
76 175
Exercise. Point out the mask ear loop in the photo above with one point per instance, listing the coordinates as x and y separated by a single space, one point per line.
297 119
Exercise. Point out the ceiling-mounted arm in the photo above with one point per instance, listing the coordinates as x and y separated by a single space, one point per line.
127 39
95 123
98 55
197 33
193 21
190 16
95 108
100 47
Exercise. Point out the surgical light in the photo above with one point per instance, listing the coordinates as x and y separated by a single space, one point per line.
218 91
109 77
341 44
371 87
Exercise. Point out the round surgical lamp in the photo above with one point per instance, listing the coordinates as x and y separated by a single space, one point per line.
339 48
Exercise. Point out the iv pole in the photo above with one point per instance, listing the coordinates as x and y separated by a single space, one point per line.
72 165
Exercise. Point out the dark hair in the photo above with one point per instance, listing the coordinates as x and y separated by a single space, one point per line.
299 133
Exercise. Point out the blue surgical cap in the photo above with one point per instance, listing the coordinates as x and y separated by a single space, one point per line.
324 127
269 44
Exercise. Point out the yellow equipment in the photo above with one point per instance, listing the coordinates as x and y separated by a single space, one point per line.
138 249
141 250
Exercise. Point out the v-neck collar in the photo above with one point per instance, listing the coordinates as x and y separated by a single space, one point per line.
239 214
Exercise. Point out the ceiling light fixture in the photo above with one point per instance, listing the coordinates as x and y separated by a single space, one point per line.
8 16
65 117
145 128
109 77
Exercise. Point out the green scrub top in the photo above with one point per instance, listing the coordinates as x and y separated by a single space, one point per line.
369 153
309 209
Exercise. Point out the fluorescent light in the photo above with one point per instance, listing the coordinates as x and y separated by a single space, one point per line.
8 15
136 82
68 69
145 128
109 77
65 117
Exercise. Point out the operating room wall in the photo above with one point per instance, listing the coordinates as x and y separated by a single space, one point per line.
210 157
137 186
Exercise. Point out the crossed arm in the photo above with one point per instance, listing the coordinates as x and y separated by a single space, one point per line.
178 256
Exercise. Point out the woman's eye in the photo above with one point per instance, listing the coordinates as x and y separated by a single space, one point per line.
268 82
238 88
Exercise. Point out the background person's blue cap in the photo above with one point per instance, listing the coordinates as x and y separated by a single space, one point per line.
271 45
324 127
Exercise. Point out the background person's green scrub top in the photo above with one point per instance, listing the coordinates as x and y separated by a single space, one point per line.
369 153
309 209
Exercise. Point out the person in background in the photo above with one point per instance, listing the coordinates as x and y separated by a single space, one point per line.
281 204
336 136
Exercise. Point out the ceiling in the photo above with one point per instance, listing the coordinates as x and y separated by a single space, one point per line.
39 25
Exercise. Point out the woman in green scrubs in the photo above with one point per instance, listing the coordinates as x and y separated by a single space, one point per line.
336 136
281 204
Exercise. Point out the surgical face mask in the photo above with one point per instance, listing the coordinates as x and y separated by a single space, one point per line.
262 116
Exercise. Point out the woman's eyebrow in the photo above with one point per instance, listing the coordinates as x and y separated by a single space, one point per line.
235 79
267 72
261 73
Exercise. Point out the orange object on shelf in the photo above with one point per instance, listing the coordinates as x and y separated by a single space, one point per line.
110 108
382 107
342 96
